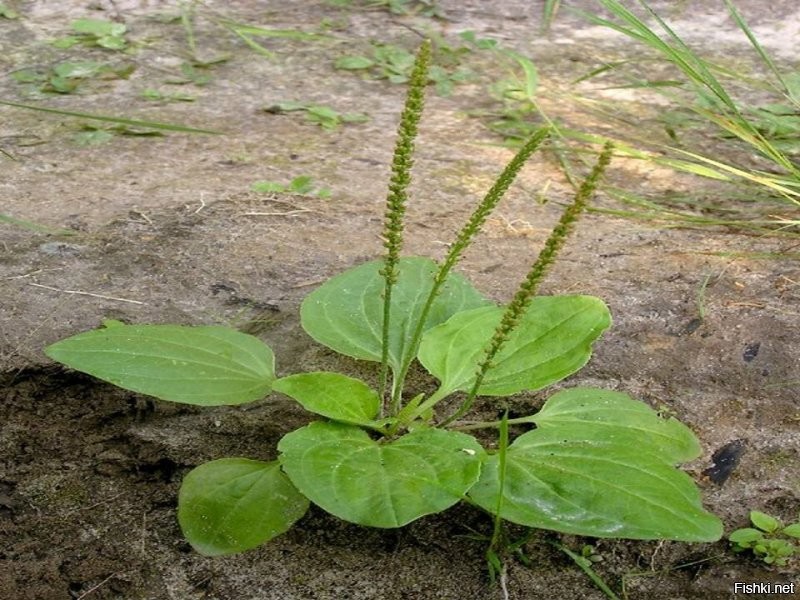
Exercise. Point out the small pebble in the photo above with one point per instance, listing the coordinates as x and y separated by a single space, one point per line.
60 249
751 351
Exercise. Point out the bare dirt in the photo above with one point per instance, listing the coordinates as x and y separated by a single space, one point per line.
164 229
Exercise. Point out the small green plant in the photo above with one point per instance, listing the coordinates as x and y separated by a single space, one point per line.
598 463
769 540
324 116
394 63
519 115
65 77
95 32
302 185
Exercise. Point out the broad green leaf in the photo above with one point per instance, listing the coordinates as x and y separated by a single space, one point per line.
612 414
764 521
341 469
346 313
598 480
332 395
77 69
234 504
323 112
195 365
98 27
553 340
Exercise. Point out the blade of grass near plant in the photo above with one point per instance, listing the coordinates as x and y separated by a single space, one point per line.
646 210
699 165
726 113
549 13
586 566
121 120
34 226
291 34
754 42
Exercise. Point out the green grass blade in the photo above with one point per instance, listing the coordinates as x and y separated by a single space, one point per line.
754 42
33 226
549 13
106 118
586 566
685 56
258 48
187 21
290 34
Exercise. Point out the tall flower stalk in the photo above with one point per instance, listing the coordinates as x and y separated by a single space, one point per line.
464 239
398 192
522 299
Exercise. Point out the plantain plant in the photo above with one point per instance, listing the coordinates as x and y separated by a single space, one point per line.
594 462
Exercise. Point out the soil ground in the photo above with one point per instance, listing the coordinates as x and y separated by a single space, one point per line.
165 229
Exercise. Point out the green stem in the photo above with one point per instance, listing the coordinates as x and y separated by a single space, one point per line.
502 450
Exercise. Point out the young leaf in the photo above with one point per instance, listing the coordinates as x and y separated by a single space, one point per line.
792 530
340 468
265 187
764 521
195 365
302 184
332 395
552 341
746 537
234 504
346 313
599 479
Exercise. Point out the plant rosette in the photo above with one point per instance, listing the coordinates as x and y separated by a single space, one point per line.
596 462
